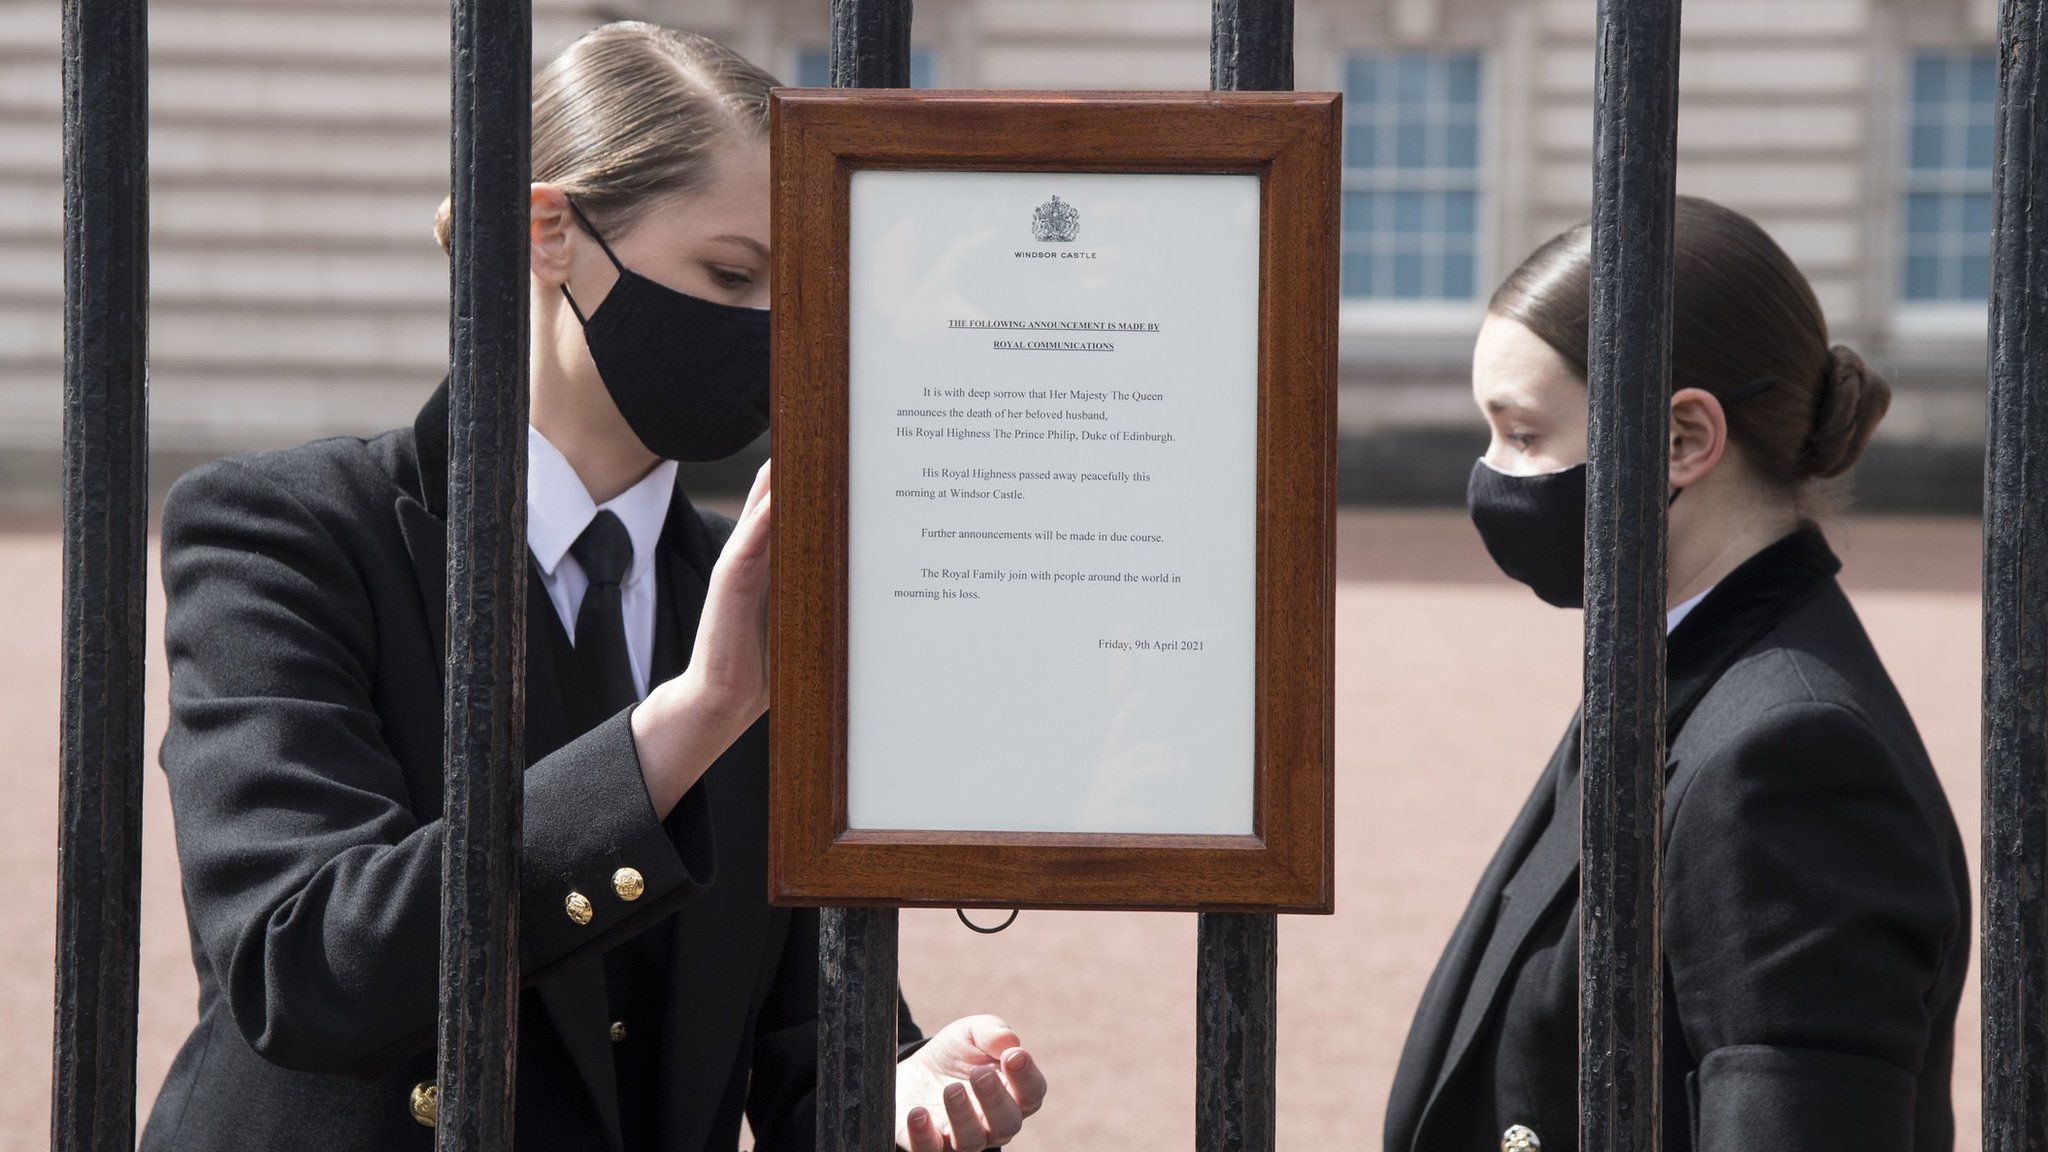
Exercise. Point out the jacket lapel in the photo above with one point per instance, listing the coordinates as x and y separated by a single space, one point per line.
574 996
1422 1056
1544 875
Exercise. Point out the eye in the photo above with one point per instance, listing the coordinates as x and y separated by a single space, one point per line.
731 277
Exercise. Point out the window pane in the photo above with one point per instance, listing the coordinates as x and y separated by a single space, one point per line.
1461 213
1976 276
1408 276
1923 278
1923 213
1977 214
1361 213
1357 274
1362 146
1929 147
1459 276
1411 146
1977 153
1461 144
1362 79
813 69
1408 212
1411 78
1464 79
1930 80
1983 79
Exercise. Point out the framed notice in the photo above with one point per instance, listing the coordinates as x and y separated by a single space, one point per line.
1054 409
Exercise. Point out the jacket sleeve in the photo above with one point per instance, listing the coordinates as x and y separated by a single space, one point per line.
1809 905
782 1096
313 888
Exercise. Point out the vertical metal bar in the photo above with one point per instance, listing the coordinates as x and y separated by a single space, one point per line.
1236 1005
106 510
857 946
1629 381
2015 820
870 44
857 1029
1251 45
1251 48
485 683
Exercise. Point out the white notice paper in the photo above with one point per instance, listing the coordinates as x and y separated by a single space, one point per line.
1053 417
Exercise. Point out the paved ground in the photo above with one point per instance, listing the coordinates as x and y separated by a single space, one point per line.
1452 687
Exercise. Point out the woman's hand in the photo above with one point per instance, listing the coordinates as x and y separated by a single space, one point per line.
969 1088
688 722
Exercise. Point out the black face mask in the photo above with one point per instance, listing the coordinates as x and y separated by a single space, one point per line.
1534 527
689 375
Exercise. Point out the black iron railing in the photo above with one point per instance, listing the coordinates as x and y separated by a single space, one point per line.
1628 382
105 516
2015 796
485 686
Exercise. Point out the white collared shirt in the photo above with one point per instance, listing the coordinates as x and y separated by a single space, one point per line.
1672 617
559 508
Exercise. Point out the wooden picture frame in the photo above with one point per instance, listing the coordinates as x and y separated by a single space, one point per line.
1291 141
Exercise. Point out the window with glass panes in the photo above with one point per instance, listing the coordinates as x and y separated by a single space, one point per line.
1946 245
814 68
1411 175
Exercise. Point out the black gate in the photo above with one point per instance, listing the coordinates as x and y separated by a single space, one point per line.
105 516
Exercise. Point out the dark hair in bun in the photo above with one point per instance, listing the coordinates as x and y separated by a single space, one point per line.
1852 400
1745 326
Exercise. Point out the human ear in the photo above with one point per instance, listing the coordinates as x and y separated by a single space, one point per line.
1699 435
549 228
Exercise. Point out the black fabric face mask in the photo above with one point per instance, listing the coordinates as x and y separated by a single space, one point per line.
1534 527
689 375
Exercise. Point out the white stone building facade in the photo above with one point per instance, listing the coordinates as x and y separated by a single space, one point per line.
300 146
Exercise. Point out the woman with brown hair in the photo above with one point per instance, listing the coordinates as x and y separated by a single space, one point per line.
1816 902
663 1000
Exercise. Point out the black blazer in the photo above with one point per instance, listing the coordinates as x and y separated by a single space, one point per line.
305 631
1816 908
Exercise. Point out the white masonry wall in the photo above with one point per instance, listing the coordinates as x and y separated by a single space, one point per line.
300 147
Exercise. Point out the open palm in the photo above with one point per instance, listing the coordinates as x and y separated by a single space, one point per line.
970 1087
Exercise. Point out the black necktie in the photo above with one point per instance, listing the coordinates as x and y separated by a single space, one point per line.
605 551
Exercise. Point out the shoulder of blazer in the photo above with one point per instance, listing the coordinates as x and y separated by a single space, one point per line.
1819 657
339 481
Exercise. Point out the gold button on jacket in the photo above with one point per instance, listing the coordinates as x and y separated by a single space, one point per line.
578 907
618 1031
426 1102
1519 1139
628 883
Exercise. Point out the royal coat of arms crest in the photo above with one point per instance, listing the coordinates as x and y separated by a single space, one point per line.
1056 221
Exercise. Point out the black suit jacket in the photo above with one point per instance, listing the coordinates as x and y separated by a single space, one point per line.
1816 908
306 594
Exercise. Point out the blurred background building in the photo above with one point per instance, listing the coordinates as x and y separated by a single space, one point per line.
301 146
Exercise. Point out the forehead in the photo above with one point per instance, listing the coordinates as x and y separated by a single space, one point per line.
732 201
1512 368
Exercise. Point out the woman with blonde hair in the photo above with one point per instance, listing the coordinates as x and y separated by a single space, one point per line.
663 999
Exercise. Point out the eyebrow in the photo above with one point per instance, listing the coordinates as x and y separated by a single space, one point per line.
746 242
